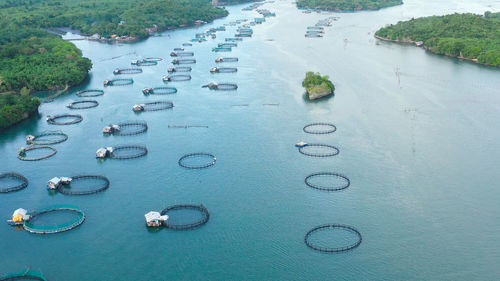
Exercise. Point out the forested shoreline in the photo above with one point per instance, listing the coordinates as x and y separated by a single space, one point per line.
467 36
347 5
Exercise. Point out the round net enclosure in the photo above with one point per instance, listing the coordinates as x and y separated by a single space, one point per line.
36 153
180 69
146 63
333 238
198 160
327 181
319 150
187 44
226 86
319 128
84 104
46 138
10 182
160 91
155 59
184 54
54 219
84 185
119 82
184 61
130 128
228 59
127 71
90 93
177 77
185 216
157 105
223 70
128 152
64 119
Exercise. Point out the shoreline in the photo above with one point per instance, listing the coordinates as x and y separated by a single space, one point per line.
421 45
319 8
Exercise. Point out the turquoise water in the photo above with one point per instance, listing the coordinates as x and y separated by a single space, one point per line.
421 155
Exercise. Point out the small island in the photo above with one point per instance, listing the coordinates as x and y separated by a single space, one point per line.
465 36
317 86
347 5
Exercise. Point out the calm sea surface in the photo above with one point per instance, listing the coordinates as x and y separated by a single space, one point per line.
422 156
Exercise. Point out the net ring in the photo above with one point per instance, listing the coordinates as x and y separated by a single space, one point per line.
56 228
335 151
346 180
310 128
22 152
52 119
33 139
142 151
23 182
84 104
66 191
197 154
333 249
90 93
200 208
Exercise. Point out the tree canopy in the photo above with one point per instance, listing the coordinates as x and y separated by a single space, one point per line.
313 80
347 5
470 36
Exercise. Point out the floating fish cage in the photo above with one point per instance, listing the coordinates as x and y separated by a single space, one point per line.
187 44
90 93
153 106
128 128
219 60
332 227
184 61
182 54
223 69
319 128
179 69
76 118
210 160
15 181
224 45
45 138
233 39
127 71
122 152
159 91
343 183
119 82
84 104
304 150
222 49
63 184
205 216
177 77
221 86
22 154
30 226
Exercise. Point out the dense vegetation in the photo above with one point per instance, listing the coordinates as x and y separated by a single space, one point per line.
15 107
33 59
314 82
470 36
347 5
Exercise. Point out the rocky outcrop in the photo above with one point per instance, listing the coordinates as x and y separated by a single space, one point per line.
318 92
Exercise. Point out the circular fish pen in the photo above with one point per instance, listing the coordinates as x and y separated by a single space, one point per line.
74 118
129 128
97 184
119 82
319 128
178 49
226 87
187 44
153 106
180 69
226 60
146 63
313 35
316 246
223 70
159 91
192 160
22 153
123 152
46 138
304 150
338 181
42 228
183 61
127 71
84 104
177 77
10 182
205 216
182 54
155 59
90 93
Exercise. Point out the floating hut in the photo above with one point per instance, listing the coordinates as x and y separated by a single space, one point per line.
138 107
301 144
155 219
111 129
30 139
19 217
55 182
104 152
